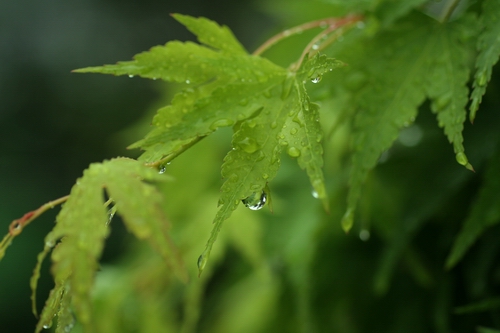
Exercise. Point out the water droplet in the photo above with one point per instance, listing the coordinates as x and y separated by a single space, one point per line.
154 79
248 145
111 214
50 243
316 79
293 131
261 155
202 261
188 81
255 201
287 33
48 325
293 151
162 169
130 76
243 102
360 25
265 176
315 47
221 123
274 125
315 194
267 94
323 24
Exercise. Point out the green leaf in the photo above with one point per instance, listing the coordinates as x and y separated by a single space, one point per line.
211 34
488 46
447 84
224 107
176 61
82 226
254 160
485 213
303 136
52 306
389 102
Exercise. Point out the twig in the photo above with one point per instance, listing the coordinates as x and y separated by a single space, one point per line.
17 226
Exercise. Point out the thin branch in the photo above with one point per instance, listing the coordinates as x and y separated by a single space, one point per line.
331 24
172 156
17 226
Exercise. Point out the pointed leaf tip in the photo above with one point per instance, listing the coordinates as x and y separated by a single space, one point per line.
347 220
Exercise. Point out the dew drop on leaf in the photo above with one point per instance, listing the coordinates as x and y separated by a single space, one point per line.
248 145
315 194
293 151
162 169
221 123
255 201
316 79
130 76
48 325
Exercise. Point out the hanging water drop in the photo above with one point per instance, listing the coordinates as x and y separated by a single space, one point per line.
221 123
111 214
130 76
255 201
293 151
48 325
316 79
162 169
248 145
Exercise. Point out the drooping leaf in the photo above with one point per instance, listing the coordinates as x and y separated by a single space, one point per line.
388 102
484 214
82 226
488 45
254 161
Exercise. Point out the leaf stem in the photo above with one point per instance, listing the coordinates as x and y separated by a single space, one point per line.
329 24
17 225
172 156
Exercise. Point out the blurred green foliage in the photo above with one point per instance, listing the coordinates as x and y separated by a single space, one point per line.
294 270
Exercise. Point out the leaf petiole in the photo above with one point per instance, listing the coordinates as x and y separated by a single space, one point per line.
330 25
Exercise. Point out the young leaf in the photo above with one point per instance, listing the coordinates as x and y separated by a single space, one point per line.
488 46
484 214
